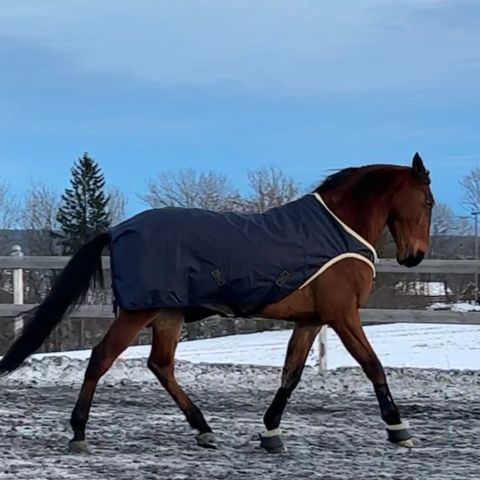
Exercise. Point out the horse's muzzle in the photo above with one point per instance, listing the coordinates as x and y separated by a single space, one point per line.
411 259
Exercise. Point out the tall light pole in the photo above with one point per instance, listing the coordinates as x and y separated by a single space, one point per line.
475 215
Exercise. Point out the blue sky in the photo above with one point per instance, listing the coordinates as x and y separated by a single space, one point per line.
309 86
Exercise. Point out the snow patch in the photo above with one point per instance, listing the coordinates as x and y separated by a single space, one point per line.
397 345
460 307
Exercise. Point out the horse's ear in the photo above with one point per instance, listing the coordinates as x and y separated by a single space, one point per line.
417 164
418 168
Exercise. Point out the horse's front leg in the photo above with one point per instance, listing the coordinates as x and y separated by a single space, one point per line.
347 325
298 348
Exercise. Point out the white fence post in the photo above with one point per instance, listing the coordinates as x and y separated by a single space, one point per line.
322 349
17 289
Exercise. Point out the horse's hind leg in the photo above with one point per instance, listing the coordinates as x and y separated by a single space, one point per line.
167 328
122 332
298 348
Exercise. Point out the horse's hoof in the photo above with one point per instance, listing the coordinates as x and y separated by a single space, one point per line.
400 435
207 440
272 442
410 443
79 447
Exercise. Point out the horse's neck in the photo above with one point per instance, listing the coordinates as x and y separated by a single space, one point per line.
366 217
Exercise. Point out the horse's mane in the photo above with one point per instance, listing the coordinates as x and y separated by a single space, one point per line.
337 179
368 177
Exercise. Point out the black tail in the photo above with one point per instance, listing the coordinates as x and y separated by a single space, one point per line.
69 290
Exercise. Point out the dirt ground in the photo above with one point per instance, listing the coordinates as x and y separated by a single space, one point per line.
332 426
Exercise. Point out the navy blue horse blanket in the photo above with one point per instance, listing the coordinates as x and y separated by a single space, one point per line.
188 257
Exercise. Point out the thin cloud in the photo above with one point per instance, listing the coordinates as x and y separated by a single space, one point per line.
265 45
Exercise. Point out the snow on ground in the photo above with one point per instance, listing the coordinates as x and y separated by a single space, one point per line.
332 424
332 427
397 345
461 307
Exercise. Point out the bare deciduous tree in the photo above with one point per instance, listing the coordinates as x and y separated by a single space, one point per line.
464 226
9 215
39 218
117 205
444 221
271 187
9 207
186 188
470 185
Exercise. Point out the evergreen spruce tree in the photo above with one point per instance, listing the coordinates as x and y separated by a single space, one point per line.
83 212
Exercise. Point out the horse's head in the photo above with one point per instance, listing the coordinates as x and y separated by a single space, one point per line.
410 214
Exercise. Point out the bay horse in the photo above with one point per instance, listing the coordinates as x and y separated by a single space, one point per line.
364 201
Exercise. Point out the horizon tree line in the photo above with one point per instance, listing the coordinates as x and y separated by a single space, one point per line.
60 224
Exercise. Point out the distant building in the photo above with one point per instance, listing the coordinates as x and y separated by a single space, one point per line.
429 289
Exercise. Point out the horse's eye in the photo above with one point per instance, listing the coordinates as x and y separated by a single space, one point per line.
429 203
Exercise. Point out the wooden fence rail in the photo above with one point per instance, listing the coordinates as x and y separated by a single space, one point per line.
370 316
17 262
385 265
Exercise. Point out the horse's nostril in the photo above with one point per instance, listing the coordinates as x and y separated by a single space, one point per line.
414 260
411 259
